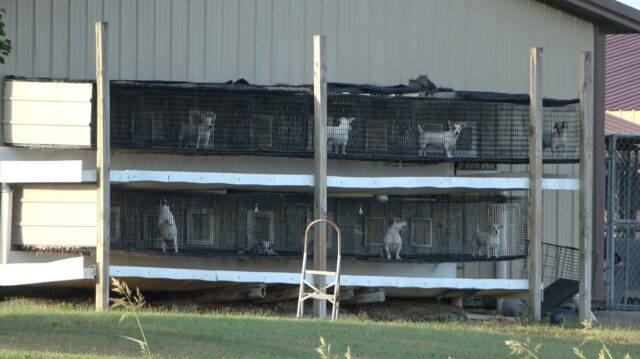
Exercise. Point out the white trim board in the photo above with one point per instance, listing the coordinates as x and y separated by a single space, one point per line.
334 182
41 171
517 285
56 271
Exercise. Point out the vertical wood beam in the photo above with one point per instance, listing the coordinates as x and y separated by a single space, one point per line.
586 183
103 165
535 182
320 162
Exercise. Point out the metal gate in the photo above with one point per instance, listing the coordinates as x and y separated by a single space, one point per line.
622 218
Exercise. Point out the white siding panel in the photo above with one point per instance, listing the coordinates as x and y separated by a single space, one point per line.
179 40
47 135
47 113
57 217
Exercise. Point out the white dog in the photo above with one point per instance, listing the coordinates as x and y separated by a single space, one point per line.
199 130
338 136
167 227
490 241
557 138
443 139
392 239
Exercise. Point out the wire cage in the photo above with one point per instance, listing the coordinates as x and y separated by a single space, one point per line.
237 119
434 228
622 219
559 262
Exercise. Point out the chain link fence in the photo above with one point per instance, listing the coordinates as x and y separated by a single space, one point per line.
622 219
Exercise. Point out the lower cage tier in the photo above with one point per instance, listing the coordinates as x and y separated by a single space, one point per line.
247 224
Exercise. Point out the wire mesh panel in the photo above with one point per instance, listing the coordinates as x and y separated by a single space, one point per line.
623 220
220 118
440 228
559 262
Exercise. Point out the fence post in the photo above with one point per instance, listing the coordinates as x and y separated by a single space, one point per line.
586 184
320 161
535 182
103 165
611 185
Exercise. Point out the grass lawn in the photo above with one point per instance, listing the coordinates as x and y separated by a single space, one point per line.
31 330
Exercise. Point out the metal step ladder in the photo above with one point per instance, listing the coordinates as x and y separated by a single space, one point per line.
320 293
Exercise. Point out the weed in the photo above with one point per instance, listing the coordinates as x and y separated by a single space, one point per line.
131 303
325 351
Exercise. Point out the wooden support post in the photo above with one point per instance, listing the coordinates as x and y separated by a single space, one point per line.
5 223
320 161
103 165
586 183
535 182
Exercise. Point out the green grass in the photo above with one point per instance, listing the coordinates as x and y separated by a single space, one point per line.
29 330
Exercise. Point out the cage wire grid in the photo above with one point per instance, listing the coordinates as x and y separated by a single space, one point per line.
622 220
559 262
230 119
436 228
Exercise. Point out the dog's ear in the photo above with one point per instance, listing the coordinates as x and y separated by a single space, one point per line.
564 124
555 125
351 119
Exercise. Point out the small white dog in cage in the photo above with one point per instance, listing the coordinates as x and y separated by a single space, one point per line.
557 138
392 239
167 227
338 136
199 129
443 139
490 241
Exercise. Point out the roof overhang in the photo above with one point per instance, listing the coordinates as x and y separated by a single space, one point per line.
609 15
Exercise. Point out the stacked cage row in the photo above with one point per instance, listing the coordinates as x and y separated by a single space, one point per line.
279 121
434 228
623 220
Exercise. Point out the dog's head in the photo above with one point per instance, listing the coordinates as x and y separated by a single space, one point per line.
164 205
455 127
399 224
346 121
495 228
208 119
560 127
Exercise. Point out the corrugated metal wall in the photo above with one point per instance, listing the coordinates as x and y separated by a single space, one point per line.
464 44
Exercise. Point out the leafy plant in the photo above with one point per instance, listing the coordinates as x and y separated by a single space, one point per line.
130 302
5 44
325 351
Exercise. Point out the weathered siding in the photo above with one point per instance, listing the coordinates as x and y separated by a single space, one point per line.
46 215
